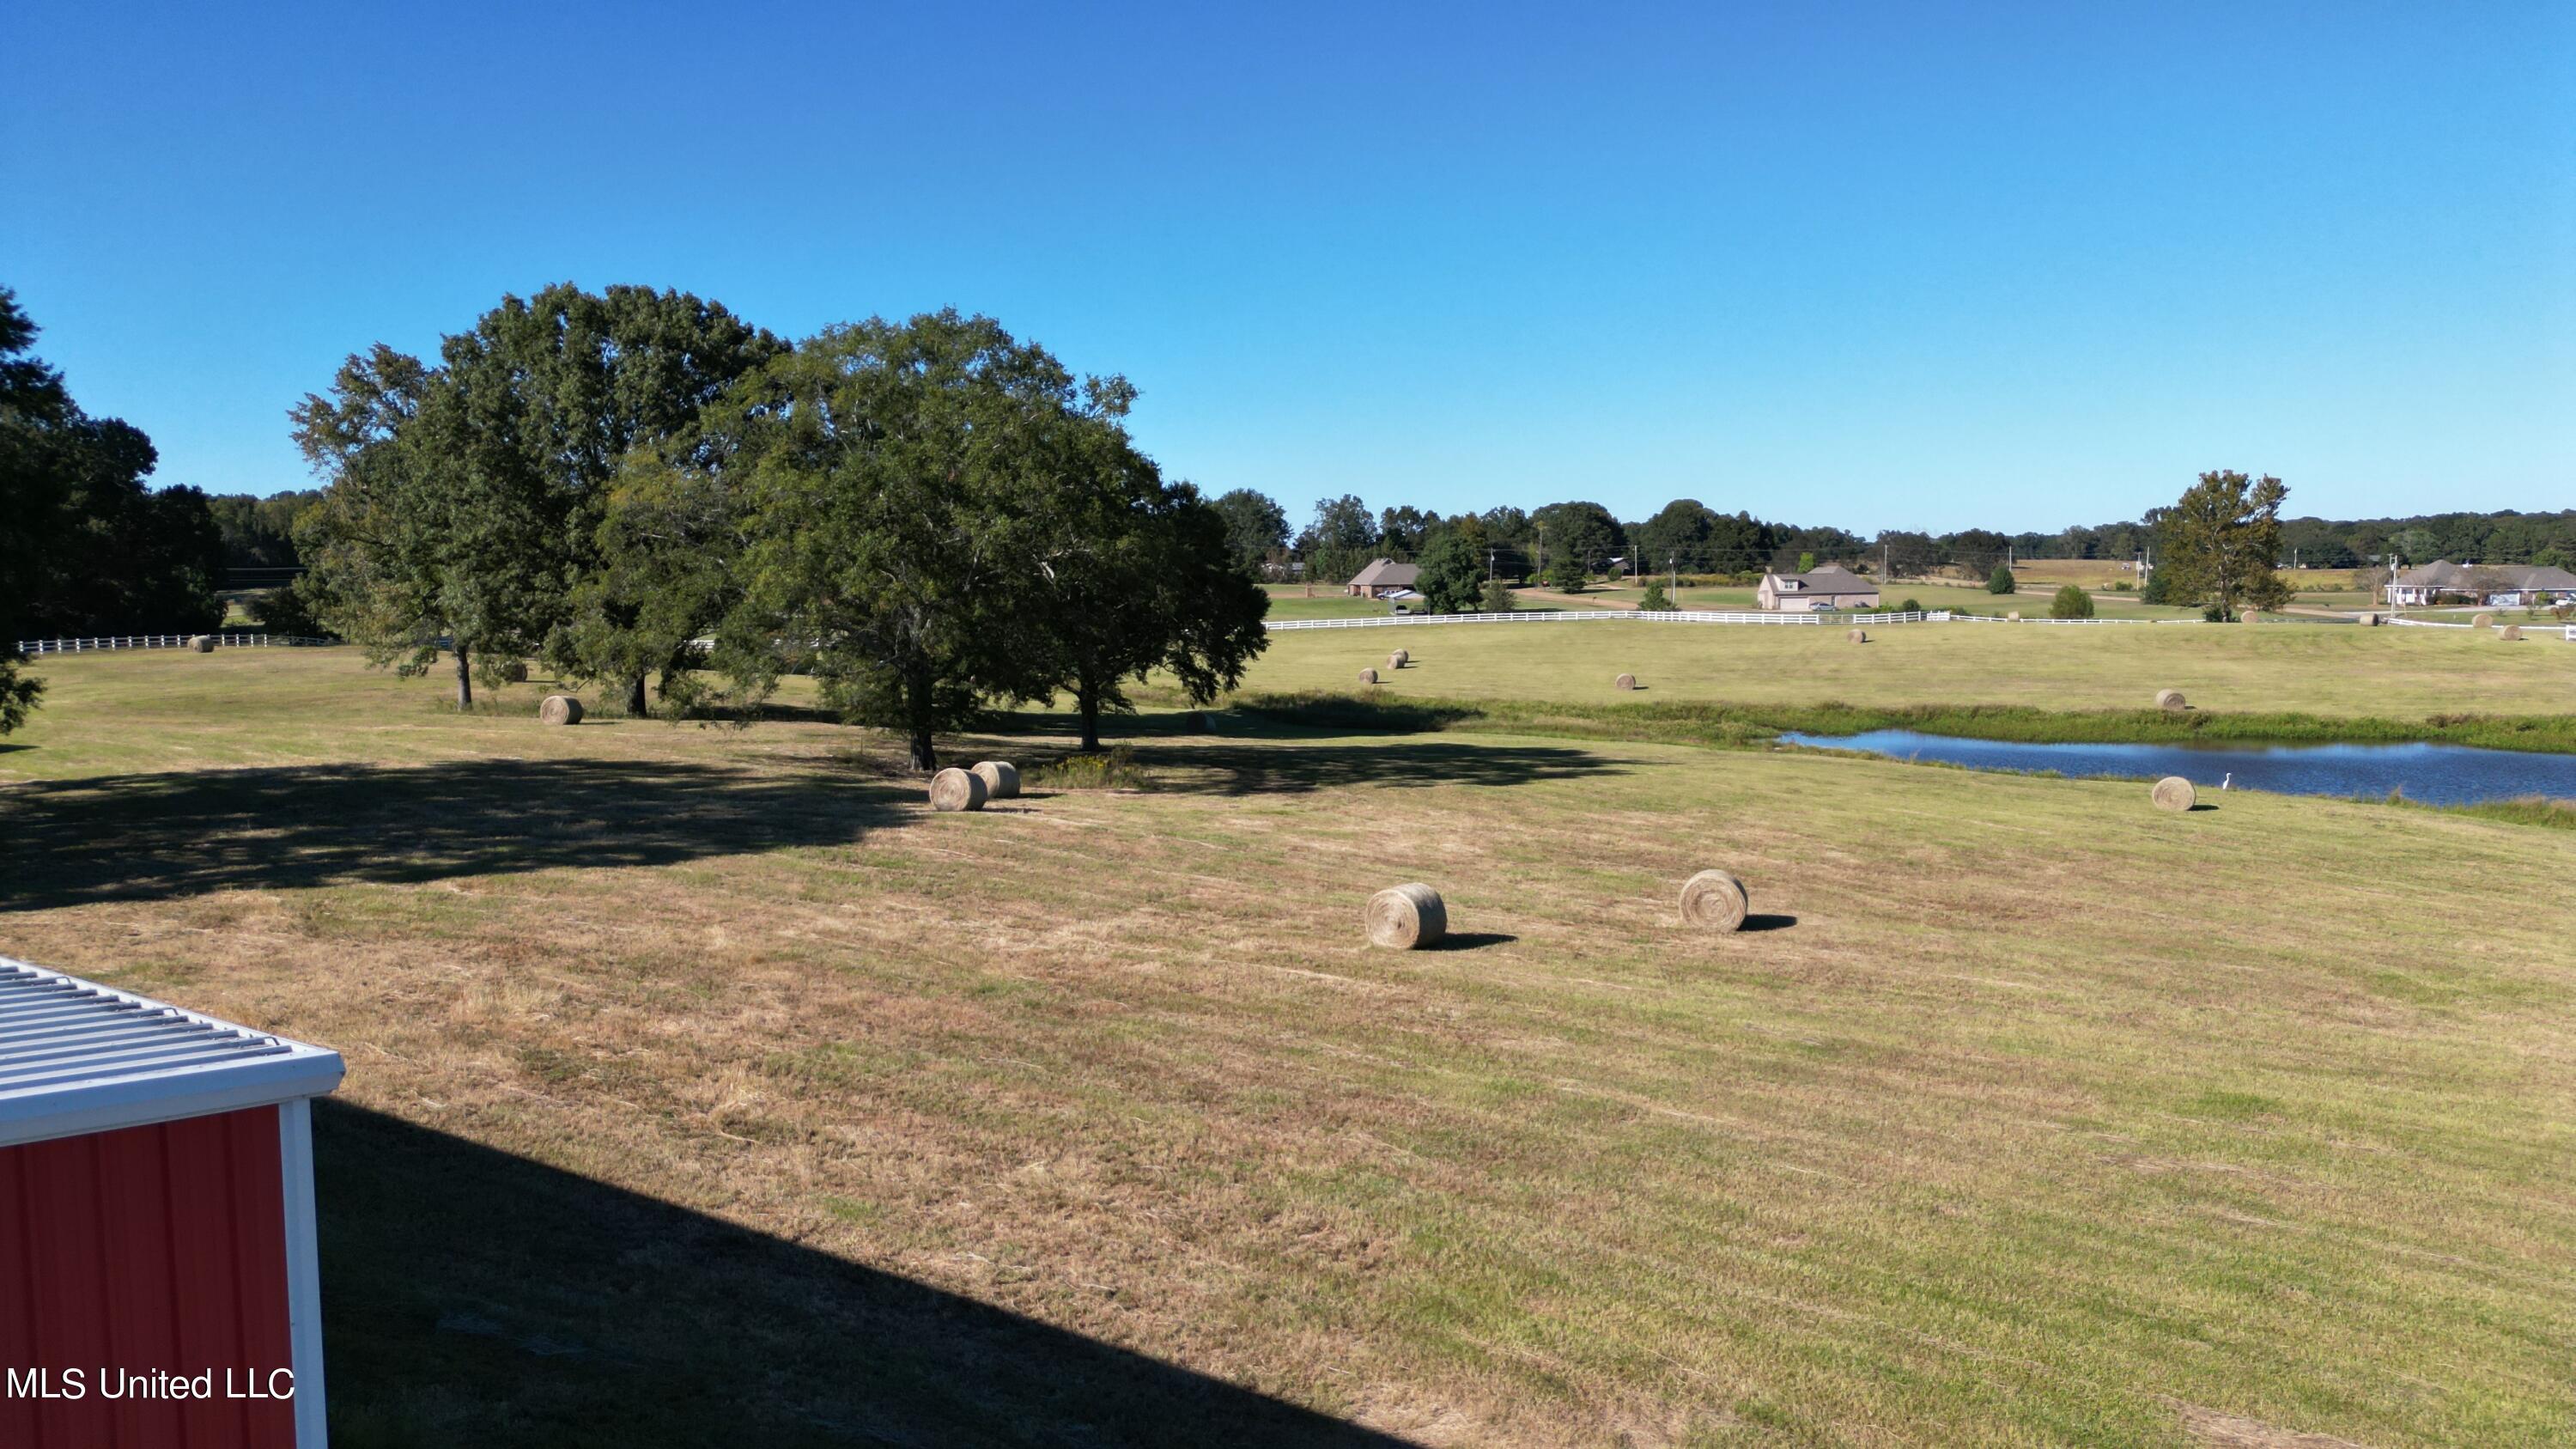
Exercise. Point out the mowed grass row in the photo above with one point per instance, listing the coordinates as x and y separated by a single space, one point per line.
2326 669
2033 1116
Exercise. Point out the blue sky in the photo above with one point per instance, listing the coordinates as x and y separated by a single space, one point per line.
1871 265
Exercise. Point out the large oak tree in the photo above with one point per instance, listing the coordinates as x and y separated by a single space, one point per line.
897 486
2218 544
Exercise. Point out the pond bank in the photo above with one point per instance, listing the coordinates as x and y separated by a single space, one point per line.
1755 724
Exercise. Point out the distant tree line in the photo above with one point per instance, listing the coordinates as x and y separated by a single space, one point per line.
930 517
85 547
1556 543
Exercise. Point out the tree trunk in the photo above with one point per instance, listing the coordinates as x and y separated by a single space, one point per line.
635 706
925 756
464 679
1089 701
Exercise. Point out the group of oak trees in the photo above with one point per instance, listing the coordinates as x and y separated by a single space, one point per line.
930 517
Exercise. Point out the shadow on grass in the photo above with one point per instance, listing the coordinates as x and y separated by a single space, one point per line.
1761 922
470 1296
139 837
1471 940
1286 767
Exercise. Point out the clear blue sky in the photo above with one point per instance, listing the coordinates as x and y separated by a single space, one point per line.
1876 265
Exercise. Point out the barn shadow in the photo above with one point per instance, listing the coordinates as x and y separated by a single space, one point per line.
149 836
470 1296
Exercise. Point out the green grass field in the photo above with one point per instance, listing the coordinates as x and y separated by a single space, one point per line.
2317 668
704 1085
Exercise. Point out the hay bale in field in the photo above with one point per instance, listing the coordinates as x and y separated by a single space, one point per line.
1368 676
1715 899
1197 722
2173 792
956 789
560 709
1407 917
1001 778
2170 699
2510 631
1398 659
2247 616
515 672
2015 616
1624 681
2482 621
202 643
1858 636
2368 620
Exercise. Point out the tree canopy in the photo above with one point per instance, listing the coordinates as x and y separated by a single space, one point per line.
2218 544
1256 527
1452 579
86 546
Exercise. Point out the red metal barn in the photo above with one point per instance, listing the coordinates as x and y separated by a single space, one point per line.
158 1283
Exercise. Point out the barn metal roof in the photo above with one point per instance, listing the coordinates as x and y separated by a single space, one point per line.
78 1057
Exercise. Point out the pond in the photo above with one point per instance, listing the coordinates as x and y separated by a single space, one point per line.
2434 774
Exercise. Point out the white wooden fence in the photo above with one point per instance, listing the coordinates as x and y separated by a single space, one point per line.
1586 616
161 641
2537 630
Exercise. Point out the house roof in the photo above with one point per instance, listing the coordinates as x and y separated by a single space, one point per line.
1831 579
77 1057
2444 574
1386 573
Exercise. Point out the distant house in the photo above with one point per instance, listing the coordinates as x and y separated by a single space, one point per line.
1384 578
2502 585
1830 587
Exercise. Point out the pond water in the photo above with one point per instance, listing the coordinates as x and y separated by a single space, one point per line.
2434 774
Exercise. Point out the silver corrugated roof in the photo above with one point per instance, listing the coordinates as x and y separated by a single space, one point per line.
76 1056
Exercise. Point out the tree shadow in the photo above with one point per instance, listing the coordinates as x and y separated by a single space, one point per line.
471 1296
141 837
1288 767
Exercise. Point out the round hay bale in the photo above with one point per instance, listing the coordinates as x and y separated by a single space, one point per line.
2015 616
2510 631
202 643
1001 778
2170 699
1858 636
2173 792
1398 659
1716 900
1368 676
956 789
1197 722
1624 681
2246 616
2368 620
560 709
515 672
2482 621
1407 917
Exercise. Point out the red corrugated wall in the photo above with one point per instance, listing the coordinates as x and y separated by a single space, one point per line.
159 1247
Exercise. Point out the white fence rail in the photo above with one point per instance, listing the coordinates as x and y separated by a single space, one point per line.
161 641
2568 632
1586 616
1998 619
